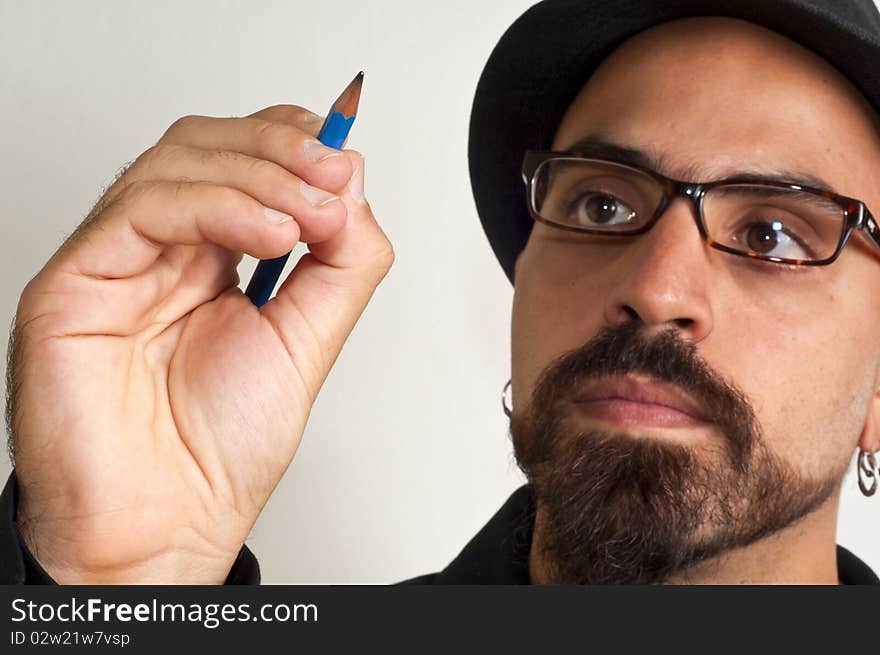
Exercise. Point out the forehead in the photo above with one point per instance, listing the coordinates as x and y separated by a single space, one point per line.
711 96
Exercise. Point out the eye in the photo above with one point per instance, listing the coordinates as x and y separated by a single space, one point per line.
597 209
773 239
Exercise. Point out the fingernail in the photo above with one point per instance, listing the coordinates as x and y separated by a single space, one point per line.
317 151
276 217
312 117
316 196
356 186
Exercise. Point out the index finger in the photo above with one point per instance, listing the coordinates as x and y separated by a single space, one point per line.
294 115
283 143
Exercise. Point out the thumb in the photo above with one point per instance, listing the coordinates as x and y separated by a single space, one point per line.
328 289
360 246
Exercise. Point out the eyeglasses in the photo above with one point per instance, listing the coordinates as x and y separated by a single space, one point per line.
767 220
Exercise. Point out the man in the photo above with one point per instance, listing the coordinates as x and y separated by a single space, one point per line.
694 363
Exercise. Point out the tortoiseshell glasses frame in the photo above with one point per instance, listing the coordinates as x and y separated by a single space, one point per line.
853 214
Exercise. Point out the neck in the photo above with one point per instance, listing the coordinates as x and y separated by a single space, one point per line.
803 553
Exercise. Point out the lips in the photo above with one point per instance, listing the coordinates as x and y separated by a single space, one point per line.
651 394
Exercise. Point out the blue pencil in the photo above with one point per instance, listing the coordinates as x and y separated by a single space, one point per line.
333 133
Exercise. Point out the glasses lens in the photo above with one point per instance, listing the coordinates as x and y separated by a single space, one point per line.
594 195
775 223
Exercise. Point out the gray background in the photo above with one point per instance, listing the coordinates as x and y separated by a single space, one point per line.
406 454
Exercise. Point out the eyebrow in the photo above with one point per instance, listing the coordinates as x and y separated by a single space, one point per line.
598 147
819 202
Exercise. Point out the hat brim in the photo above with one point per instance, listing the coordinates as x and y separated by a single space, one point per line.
544 59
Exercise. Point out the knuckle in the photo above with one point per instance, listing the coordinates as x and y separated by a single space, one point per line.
135 190
133 194
156 157
256 167
356 159
268 134
28 294
233 201
178 188
384 257
289 113
270 175
123 173
305 117
122 178
181 126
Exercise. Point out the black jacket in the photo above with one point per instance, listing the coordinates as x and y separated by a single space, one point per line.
498 554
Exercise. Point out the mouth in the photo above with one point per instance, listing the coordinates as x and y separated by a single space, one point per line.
631 400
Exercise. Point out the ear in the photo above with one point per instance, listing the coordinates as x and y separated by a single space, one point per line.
869 440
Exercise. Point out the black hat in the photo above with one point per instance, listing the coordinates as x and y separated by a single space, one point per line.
546 56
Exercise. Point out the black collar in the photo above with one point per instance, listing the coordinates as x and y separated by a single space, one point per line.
499 553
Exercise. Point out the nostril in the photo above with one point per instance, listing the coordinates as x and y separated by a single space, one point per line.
684 322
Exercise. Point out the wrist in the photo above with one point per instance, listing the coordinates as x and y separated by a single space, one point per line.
93 560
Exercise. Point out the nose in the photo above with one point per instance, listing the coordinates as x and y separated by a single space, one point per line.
663 278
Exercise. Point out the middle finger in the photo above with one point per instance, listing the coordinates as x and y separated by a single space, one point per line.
318 213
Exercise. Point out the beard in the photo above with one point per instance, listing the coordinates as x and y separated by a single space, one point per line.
620 508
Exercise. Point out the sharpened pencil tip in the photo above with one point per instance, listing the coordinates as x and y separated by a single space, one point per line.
347 102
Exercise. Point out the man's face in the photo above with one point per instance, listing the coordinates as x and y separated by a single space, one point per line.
781 361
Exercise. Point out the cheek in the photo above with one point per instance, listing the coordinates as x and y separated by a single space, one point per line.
557 306
809 386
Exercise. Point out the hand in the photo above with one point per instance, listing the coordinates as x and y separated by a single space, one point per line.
155 408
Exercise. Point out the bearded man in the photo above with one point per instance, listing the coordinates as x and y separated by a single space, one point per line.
681 194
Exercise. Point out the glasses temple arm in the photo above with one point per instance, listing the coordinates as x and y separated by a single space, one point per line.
871 228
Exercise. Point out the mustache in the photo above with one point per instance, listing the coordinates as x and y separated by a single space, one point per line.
664 356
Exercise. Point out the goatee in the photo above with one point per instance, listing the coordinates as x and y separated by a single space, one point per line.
622 508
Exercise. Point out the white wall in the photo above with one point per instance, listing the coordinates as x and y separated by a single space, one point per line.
406 454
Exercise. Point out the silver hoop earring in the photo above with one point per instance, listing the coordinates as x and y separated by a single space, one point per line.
504 394
867 477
